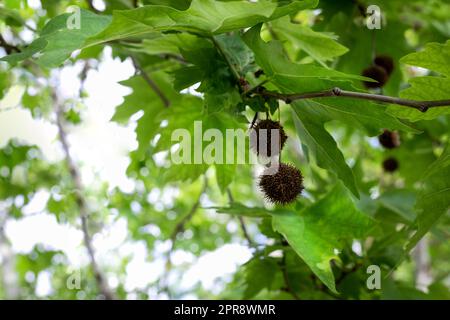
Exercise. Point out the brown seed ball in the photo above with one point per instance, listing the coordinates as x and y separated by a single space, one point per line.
376 73
389 139
284 186
385 62
260 138
390 164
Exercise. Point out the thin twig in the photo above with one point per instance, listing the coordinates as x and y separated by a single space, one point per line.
9 48
8 276
81 202
151 83
361 7
221 50
180 227
422 106
241 221
9 108
346 272
172 56
287 283
83 76
30 27
255 118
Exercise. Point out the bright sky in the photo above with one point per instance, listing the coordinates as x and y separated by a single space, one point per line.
91 145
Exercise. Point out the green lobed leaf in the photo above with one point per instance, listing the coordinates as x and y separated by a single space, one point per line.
366 115
11 17
292 77
320 46
170 43
399 201
259 274
311 131
423 89
188 114
57 42
289 76
434 197
435 57
316 231
390 41
203 16
208 17
143 97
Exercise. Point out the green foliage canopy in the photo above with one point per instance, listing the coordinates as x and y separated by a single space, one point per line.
204 60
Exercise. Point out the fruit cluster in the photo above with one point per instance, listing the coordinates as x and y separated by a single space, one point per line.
390 140
286 184
380 70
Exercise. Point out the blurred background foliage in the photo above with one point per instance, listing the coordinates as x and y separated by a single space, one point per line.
172 210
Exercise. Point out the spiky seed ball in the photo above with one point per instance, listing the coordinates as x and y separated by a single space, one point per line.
268 125
390 164
376 73
282 187
389 139
385 62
